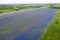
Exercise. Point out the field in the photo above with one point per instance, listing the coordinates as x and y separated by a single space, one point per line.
53 32
4 9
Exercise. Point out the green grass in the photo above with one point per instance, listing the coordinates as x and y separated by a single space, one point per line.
53 32
11 8
5 10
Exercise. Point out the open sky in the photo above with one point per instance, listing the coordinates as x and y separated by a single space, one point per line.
27 1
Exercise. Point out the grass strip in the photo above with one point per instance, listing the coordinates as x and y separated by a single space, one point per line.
53 32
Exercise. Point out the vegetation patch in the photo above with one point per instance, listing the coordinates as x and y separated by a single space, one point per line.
4 9
53 32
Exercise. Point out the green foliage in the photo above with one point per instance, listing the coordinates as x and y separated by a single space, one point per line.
54 7
15 8
6 9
